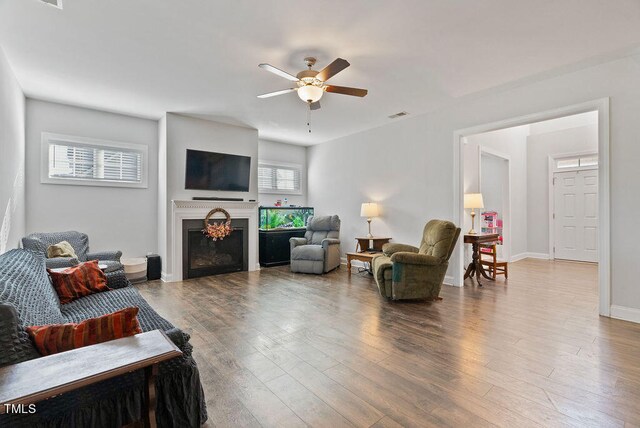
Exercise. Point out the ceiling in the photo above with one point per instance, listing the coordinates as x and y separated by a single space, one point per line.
200 57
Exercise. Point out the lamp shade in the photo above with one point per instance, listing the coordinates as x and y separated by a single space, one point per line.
369 209
473 200
310 93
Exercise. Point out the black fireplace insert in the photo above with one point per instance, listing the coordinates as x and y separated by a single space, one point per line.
202 256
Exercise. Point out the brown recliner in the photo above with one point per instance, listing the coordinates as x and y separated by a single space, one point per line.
407 272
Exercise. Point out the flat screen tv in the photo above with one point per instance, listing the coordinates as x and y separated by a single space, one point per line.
217 171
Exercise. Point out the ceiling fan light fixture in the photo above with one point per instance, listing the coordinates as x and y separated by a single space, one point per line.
310 93
311 84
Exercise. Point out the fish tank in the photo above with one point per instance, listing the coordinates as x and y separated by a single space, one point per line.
284 218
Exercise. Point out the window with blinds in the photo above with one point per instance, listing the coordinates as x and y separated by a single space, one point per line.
73 160
279 178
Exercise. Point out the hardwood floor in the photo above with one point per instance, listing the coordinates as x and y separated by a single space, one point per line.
281 349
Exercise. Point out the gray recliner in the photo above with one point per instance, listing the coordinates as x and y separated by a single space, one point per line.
79 241
319 251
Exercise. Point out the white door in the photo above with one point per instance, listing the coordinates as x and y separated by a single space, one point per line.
576 215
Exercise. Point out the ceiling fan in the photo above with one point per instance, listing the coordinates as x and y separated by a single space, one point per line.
311 84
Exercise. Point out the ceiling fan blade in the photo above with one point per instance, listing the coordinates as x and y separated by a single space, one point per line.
273 94
345 90
278 72
315 106
332 69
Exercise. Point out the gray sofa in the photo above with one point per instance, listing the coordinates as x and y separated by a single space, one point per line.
319 251
28 298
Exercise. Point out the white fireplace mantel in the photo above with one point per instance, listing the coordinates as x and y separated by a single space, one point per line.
189 210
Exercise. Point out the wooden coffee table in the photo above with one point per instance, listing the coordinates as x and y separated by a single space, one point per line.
24 383
365 256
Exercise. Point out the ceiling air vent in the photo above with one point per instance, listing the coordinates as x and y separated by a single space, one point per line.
54 3
397 115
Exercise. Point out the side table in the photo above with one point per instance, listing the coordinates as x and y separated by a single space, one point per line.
366 250
374 243
363 256
475 267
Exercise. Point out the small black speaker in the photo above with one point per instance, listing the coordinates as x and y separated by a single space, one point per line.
154 267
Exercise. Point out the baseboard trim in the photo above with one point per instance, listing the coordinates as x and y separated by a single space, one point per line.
518 257
448 280
543 256
522 256
355 264
625 313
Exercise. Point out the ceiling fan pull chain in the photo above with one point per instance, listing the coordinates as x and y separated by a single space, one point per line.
309 118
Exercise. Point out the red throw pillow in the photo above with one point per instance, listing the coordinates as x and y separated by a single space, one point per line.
51 339
77 281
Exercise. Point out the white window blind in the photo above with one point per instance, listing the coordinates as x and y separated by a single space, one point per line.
90 162
279 178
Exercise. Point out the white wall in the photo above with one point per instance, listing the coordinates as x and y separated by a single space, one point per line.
184 132
162 191
12 158
539 148
408 165
113 217
512 143
181 133
494 183
471 154
562 123
395 165
494 186
272 151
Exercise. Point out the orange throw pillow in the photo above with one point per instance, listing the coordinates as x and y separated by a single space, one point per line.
78 281
51 339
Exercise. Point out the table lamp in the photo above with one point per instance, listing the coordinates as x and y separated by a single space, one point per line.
369 210
473 201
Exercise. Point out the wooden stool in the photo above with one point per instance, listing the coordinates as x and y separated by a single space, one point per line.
493 265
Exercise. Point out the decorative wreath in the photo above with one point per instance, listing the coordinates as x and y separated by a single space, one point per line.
217 231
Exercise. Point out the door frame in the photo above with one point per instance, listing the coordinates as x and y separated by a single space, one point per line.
552 169
506 231
604 256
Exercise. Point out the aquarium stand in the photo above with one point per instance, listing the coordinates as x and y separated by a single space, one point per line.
276 226
275 249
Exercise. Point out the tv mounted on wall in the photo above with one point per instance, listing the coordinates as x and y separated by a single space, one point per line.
217 171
